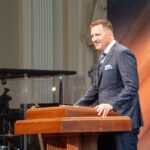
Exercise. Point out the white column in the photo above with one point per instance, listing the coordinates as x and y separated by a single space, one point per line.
55 37
80 55
36 45
42 48
25 33
58 25
42 34
25 24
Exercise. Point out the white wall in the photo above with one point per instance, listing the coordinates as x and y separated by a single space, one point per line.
9 43
46 34
9 34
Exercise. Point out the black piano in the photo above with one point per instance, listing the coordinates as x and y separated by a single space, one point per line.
6 73
11 115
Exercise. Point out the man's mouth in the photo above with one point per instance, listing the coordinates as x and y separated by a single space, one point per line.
97 44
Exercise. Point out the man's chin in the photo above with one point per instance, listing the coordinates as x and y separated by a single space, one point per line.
98 48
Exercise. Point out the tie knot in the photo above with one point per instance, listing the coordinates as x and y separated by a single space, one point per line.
101 59
103 54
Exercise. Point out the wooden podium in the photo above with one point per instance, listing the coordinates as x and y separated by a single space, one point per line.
70 127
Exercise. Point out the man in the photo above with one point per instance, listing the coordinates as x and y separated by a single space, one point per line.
116 85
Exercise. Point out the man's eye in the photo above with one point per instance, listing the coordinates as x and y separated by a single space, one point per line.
98 34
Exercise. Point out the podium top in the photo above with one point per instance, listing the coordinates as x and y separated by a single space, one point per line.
63 111
69 119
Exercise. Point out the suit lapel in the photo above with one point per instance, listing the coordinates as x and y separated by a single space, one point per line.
106 61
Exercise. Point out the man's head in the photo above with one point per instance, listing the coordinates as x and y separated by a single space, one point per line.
101 33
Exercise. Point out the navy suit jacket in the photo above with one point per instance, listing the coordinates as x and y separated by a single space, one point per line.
117 84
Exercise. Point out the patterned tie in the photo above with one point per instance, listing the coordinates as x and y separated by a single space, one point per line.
101 59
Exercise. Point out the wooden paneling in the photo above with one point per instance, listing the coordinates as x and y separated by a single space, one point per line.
73 125
70 127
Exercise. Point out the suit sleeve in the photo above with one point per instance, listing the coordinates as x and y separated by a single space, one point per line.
90 97
127 67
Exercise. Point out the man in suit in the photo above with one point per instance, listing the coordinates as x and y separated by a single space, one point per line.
116 85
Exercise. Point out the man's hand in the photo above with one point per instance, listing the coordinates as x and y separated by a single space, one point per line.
103 109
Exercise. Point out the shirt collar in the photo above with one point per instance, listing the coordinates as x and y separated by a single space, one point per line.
107 49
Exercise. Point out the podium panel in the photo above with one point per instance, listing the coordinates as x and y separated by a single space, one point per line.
72 142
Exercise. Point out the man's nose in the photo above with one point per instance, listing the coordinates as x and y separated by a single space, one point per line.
94 38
